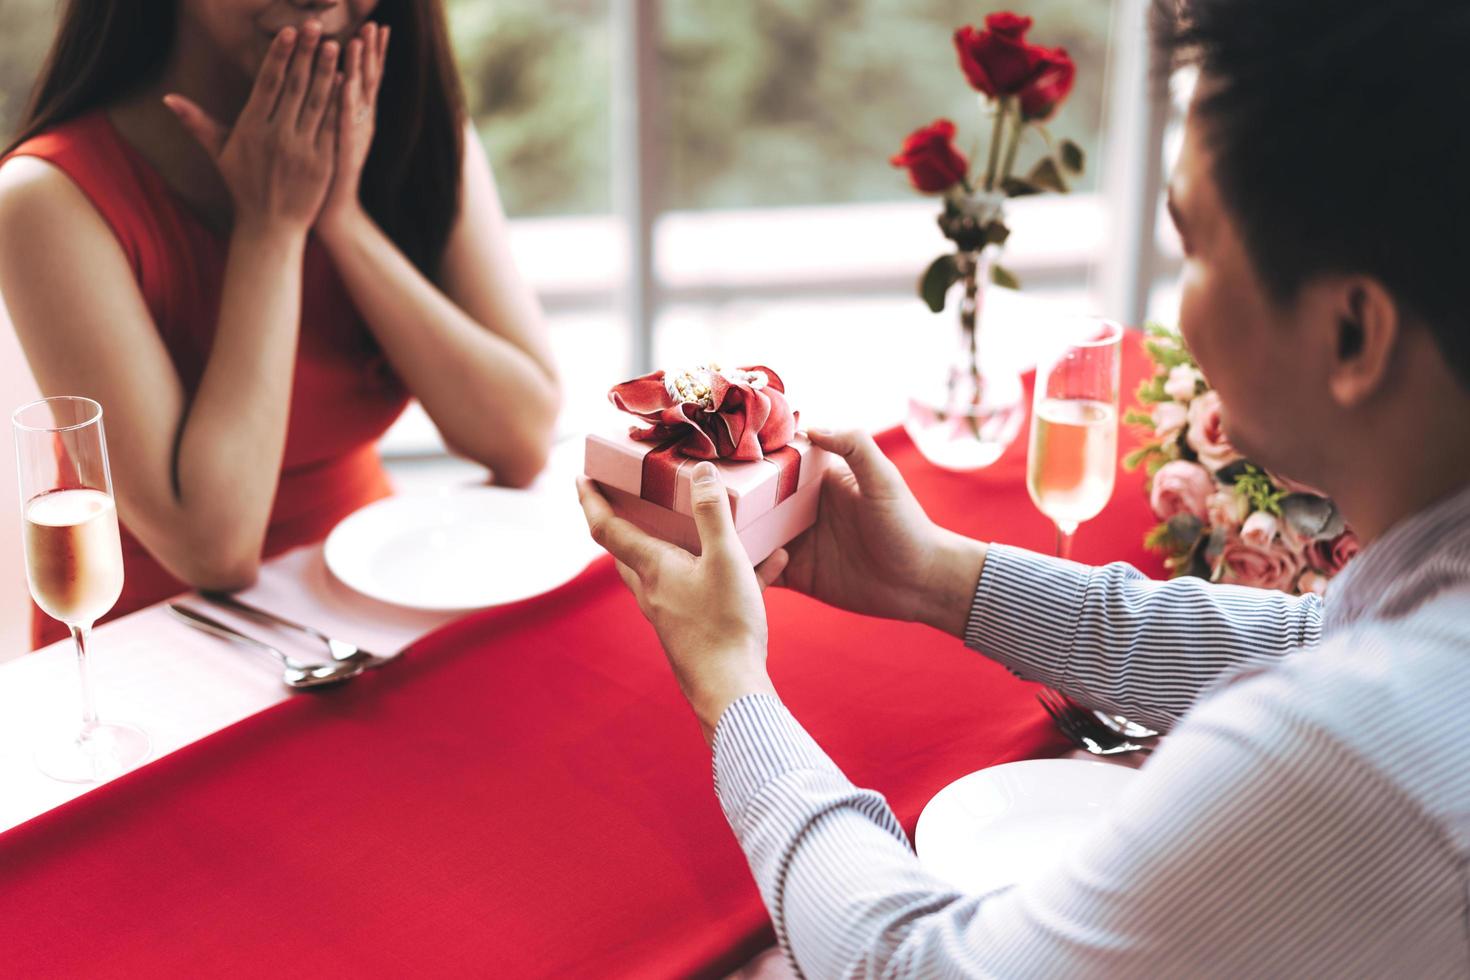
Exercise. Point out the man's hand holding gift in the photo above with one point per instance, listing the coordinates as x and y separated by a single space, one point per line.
874 551
706 609
871 551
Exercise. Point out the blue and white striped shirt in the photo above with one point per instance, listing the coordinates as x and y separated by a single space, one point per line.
1308 816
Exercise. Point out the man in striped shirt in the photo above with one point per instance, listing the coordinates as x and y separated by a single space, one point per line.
1310 813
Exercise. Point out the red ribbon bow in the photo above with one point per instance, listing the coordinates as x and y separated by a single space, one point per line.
714 414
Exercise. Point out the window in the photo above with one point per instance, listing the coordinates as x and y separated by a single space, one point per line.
775 228
770 226
788 238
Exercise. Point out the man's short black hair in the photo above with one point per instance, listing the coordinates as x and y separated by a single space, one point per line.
1339 135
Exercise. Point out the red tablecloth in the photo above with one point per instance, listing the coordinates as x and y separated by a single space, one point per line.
525 794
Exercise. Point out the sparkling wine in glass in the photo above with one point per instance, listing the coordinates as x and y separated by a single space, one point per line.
1073 456
73 563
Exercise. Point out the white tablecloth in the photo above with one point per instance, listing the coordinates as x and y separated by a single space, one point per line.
179 684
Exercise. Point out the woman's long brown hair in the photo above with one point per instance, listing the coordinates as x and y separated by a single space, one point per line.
411 182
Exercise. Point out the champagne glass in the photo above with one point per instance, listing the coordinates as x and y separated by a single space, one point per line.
73 563
1073 458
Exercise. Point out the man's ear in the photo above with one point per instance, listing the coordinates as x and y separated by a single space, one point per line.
1368 330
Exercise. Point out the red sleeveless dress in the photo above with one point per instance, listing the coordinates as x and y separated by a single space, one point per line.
344 395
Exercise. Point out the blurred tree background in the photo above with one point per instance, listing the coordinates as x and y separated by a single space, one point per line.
765 102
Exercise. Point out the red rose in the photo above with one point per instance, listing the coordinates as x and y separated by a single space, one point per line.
933 163
740 414
1041 98
997 60
1009 24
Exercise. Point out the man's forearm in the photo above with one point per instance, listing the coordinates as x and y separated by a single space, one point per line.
1256 842
1112 637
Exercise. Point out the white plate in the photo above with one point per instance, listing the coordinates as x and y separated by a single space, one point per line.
997 826
464 549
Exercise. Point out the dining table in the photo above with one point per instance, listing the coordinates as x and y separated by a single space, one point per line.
521 792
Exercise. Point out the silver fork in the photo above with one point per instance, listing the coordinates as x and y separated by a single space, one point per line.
1084 730
341 650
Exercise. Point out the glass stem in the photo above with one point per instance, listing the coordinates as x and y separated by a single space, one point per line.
1065 531
89 704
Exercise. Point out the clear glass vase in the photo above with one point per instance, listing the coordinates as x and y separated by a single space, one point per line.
967 416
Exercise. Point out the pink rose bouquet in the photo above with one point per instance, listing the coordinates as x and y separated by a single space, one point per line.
1224 518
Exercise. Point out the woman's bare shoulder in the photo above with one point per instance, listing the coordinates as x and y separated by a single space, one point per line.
40 204
36 194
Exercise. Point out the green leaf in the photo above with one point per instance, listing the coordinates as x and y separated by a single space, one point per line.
1314 518
1133 459
1017 187
1151 392
1072 157
996 233
1048 176
1158 538
1256 487
1134 417
1186 529
1228 474
1194 564
1003 277
934 284
1215 544
1177 536
1167 356
1166 348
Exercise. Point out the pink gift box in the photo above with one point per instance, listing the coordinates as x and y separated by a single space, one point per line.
619 463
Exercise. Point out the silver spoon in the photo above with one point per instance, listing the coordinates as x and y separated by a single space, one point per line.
341 651
295 673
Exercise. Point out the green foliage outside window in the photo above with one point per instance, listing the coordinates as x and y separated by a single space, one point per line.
765 102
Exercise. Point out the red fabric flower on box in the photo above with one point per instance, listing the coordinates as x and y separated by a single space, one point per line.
997 60
738 414
929 154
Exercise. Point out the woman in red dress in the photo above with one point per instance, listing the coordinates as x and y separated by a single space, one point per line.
213 224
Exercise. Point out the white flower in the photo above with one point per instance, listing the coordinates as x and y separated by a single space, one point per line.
696 384
1169 419
1259 530
1182 383
693 385
1227 508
